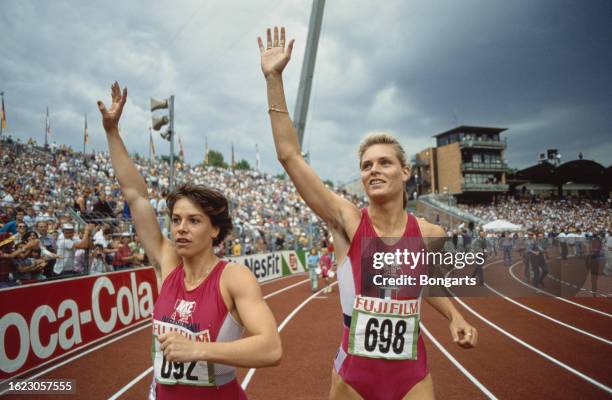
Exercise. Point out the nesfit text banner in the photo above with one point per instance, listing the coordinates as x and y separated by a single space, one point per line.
267 266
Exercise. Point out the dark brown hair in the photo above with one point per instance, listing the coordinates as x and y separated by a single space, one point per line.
212 203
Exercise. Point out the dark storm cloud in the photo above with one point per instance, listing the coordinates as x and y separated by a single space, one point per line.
540 69
415 68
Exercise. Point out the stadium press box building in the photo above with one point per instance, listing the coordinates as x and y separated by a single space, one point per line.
468 162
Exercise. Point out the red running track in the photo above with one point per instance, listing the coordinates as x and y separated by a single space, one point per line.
521 354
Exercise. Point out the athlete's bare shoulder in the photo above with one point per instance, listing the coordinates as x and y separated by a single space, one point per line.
238 282
238 274
430 230
433 234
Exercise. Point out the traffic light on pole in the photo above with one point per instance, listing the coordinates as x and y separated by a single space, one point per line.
159 122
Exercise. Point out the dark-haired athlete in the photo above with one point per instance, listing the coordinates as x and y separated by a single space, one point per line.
204 301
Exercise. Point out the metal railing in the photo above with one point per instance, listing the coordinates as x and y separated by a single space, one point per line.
476 166
440 202
491 144
485 187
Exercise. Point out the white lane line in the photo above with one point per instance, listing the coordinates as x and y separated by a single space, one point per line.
281 278
132 383
150 369
606 341
249 375
535 350
457 364
286 288
79 355
554 278
510 270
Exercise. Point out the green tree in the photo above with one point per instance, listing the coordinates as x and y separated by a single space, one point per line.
166 159
329 183
243 164
215 159
511 172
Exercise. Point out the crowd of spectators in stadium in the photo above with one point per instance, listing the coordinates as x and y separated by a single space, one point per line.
577 227
72 203
580 216
62 212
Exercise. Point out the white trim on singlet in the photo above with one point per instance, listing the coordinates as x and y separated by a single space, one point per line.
346 285
230 331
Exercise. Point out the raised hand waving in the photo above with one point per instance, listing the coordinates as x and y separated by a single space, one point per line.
274 57
110 117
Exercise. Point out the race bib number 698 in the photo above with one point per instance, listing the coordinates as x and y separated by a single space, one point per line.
389 329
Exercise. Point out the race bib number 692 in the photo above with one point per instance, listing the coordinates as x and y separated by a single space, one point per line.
386 329
195 373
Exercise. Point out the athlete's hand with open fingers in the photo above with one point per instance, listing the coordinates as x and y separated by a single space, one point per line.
110 117
463 333
274 57
177 347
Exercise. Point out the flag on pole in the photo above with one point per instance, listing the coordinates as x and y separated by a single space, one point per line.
181 149
256 157
85 134
47 127
233 160
3 112
205 150
152 153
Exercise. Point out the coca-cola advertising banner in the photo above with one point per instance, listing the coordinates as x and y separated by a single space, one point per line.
44 321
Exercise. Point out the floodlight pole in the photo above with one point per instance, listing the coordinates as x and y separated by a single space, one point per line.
3 113
171 112
310 55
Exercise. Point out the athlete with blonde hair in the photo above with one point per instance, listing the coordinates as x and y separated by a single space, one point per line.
380 357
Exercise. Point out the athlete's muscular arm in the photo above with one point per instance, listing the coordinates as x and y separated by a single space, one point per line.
261 349
333 209
463 333
159 249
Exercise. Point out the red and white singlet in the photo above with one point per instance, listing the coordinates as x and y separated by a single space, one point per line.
202 316
382 355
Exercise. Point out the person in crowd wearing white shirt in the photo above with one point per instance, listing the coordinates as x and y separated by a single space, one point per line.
67 246
98 237
30 216
98 261
43 214
47 245
153 196
8 197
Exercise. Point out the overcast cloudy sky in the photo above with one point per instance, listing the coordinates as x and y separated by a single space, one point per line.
542 69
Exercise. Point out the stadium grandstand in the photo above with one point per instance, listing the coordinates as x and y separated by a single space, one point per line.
44 191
